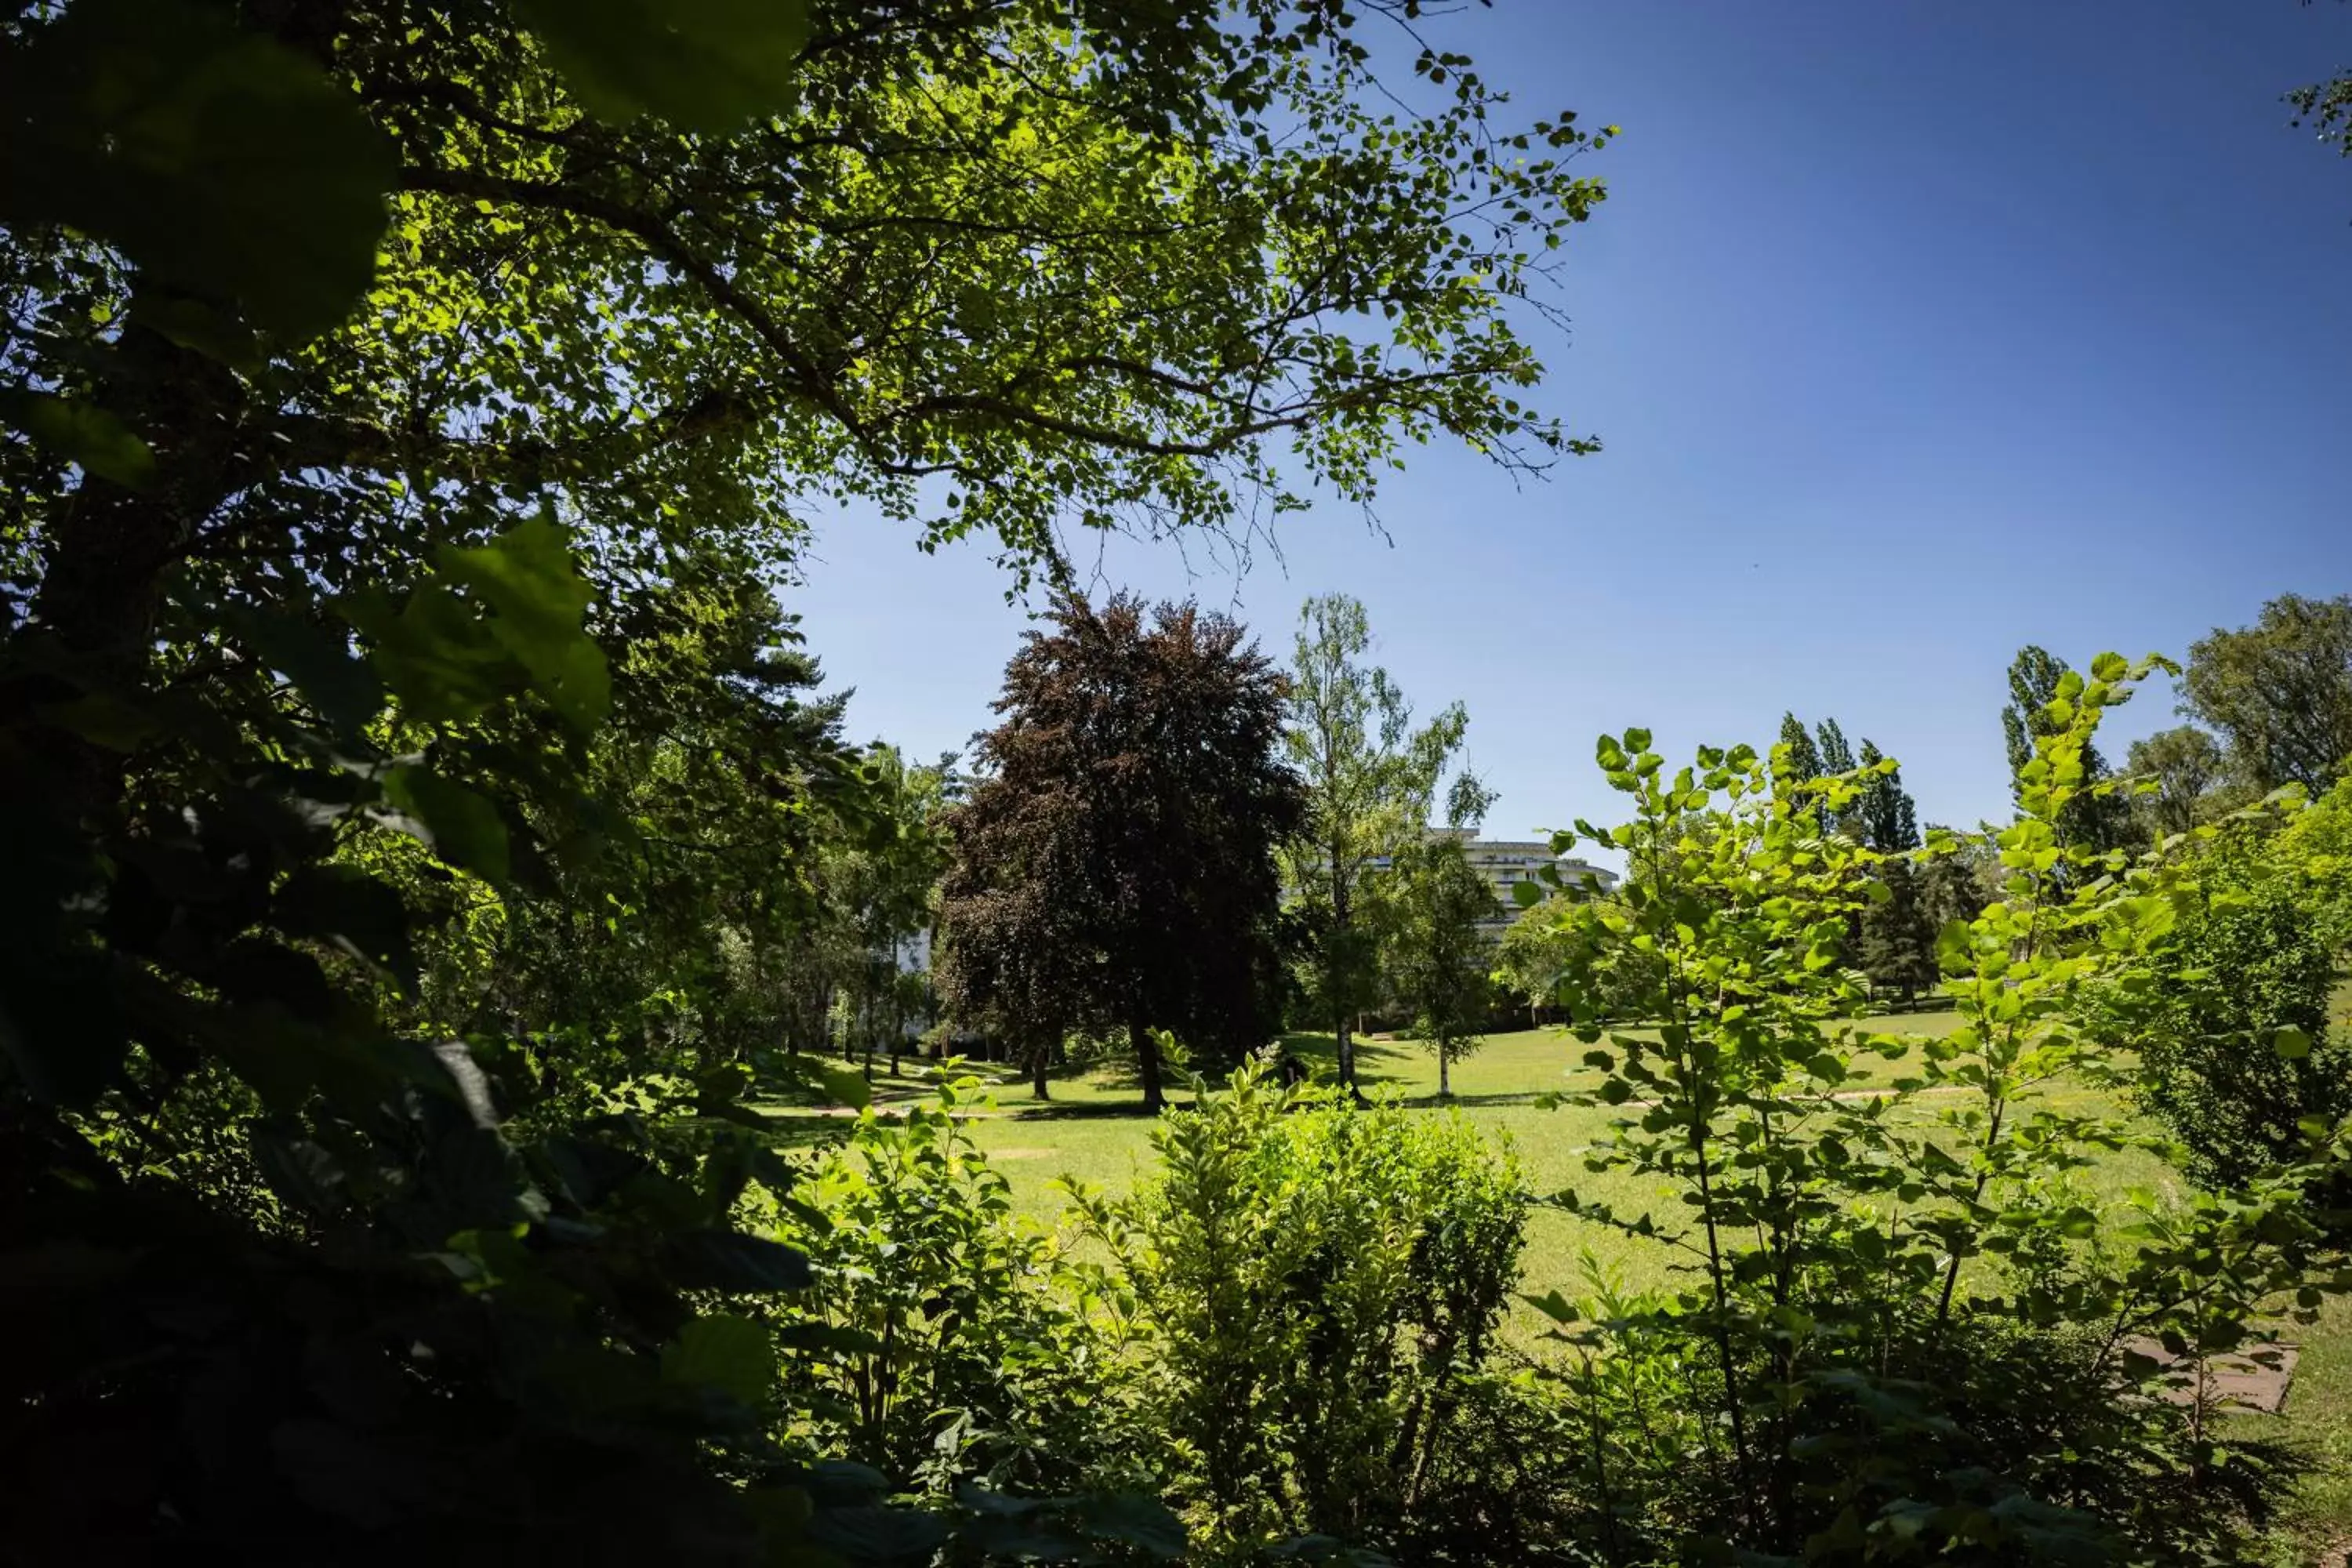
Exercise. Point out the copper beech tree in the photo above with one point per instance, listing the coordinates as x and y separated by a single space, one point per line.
1114 869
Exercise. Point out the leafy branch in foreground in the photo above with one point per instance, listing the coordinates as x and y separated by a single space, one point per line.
1916 1322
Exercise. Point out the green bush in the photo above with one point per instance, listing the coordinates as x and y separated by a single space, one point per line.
944 1341
1322 1285
2237 1051
1908 1330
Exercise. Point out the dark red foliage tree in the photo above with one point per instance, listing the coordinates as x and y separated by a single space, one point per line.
1114 870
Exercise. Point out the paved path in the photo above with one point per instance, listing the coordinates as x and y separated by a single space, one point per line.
2252 1380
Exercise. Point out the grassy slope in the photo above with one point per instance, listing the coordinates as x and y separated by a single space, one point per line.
1091 1129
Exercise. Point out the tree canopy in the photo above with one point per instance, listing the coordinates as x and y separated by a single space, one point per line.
2279 692
1126 816
406 416
1370 777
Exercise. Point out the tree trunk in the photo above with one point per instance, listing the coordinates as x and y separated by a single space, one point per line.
103 563
1147 1061
1343 1051
1445 1081
1041 1057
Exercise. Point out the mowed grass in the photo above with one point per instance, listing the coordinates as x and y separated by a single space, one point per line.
1092 1130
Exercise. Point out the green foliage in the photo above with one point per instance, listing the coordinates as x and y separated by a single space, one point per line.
1371 781
2316 845
2037 710
1897 950
1106 876
1528 963
403 408
2279 692
2189 773
696 64
224 165
2237 1054
1804 758
2326 107
1902 1332
1433 904
1322 1284
946 1342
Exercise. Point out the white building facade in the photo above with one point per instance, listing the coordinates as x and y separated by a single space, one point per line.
1505 862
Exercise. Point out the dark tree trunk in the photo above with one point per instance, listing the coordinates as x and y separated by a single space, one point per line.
102 575
1040 1059
1146 1062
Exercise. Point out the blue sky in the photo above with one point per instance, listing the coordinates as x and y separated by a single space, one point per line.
1915 331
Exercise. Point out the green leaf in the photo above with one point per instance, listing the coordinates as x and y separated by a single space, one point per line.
872 1533
731 1260
526 576
318 658
1527 895
846 1087
81 433
2291 1043
1131 1519
103 718
2110 666
730 1353
345 907
61 1028
702 65
435 652
224 165
462 826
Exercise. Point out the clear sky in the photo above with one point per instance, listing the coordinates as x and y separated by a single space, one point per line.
1914 332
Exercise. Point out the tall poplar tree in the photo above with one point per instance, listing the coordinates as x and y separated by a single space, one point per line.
1836 756
2095 821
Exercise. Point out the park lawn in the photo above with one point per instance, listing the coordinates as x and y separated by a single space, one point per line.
1092 1130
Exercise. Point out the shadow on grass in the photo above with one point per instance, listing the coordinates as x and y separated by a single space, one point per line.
1087 1109
1373 1055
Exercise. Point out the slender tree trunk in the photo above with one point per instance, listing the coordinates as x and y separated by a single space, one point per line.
1147 1061
1343 1051
1041 1057
1445 1081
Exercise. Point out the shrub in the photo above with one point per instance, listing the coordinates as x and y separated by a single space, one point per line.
1323 1285
945 1341
1908 1328
2236 1046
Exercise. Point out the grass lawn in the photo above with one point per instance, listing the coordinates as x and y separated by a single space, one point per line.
1092 1129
